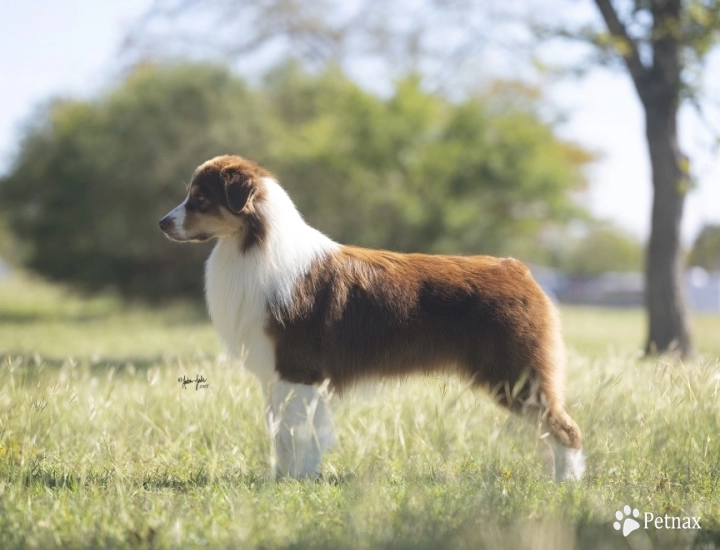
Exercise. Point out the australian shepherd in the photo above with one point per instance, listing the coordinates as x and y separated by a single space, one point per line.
308 314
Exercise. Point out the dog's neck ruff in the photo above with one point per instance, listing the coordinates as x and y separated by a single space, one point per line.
241 288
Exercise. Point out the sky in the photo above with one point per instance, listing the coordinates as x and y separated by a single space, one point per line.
50 48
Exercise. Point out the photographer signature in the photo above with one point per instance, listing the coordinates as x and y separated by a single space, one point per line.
199 382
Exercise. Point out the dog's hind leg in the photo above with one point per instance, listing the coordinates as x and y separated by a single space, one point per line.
300 428
538 400
548 393
565 439
560 444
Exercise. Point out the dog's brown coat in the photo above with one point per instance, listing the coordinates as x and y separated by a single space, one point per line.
370 314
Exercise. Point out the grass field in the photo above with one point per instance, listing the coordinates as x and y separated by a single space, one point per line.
100 446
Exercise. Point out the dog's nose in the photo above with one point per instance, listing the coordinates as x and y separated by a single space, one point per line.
165 223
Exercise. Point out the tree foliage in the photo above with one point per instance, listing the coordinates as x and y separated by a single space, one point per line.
706 249
410 172
416 172
93 177
603 249
391 38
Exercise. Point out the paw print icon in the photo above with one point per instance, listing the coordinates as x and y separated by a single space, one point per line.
625 521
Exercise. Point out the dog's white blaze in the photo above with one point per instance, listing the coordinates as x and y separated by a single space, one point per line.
177 215
240 286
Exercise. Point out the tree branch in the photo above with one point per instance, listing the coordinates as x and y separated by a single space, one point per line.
667 38
631 56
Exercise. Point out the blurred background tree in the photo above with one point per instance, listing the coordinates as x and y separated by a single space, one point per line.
413 171
417 172
602 249
705 252
93 177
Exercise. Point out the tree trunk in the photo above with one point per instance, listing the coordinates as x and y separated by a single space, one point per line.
668 328
659 84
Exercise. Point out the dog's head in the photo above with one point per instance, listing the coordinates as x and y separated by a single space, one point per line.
221 201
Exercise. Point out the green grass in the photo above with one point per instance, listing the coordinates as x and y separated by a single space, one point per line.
99 446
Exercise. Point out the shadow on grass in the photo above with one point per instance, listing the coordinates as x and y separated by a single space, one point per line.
33 366
200 479
168 314
32 317
57 478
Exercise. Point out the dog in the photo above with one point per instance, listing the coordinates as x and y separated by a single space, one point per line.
311 316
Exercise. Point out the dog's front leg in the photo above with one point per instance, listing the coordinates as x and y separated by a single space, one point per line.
300 428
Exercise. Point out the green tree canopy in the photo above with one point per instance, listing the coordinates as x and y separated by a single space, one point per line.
416 172
410 172
93 177
706 249
604 248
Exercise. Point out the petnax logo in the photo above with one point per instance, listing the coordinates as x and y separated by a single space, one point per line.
629 520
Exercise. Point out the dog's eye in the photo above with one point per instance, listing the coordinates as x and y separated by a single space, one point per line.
202 201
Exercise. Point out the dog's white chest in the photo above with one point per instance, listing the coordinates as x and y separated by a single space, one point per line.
237 301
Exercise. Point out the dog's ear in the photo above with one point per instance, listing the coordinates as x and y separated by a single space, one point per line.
240 187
